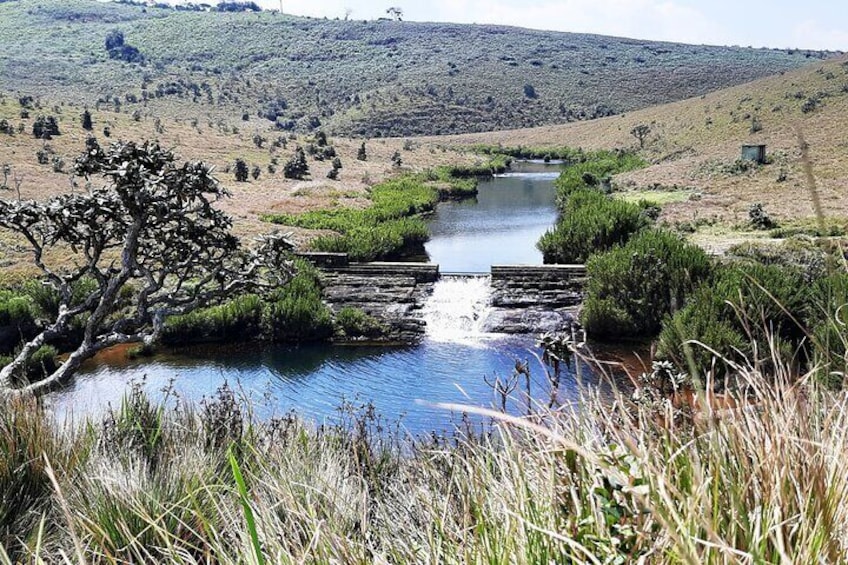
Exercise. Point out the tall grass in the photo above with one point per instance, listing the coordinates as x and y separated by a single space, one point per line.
635 478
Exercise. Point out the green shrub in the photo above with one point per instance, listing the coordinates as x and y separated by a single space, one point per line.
590 222
827 320
16 310
633 287
595 169
737 313
238 319
296 311
353 322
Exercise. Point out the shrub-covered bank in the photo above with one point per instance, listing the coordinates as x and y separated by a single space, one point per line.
628 482
589 221
391 226
294 313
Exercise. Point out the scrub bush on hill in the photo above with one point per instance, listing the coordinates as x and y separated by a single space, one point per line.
590 222
633 287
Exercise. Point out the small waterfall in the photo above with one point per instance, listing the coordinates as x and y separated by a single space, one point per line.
458 308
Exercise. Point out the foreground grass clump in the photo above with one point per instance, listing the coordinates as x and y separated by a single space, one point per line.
641 478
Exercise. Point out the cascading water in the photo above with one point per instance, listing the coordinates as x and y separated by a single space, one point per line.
458 308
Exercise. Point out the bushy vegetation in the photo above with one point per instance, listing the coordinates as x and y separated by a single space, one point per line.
595 170
590 222
746 312
633 287
354 323
235 320
293 313
386 229
296 311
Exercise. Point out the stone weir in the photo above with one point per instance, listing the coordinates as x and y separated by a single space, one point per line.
533 299
393 293
524 299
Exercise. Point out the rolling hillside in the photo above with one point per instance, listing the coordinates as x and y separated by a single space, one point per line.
359 78
694 146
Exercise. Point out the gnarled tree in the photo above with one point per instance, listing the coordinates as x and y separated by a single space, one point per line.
150 244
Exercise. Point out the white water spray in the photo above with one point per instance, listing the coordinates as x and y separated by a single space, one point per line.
458 308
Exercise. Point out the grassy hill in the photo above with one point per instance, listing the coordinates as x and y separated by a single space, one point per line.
694 147
364 78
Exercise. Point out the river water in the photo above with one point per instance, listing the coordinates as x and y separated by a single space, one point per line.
456 363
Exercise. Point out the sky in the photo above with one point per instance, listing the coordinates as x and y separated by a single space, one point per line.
807 24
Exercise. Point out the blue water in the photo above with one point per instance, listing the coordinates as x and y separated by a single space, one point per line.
455 364
403 384
500 227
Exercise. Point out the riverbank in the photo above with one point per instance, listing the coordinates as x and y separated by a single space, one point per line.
606 482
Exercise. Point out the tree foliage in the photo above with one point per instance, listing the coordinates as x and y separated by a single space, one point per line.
296 167
151 244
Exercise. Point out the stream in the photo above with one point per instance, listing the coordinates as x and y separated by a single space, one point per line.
456 362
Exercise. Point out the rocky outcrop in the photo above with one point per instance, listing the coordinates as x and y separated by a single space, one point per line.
393 293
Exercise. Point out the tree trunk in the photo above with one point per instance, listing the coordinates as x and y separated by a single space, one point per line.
61 375
8 372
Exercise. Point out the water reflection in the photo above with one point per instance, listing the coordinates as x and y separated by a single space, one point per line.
501 226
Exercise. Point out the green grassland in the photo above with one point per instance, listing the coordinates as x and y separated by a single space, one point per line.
364 78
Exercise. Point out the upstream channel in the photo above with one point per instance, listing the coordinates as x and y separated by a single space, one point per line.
456 362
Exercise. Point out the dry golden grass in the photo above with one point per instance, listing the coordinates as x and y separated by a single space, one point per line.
213 142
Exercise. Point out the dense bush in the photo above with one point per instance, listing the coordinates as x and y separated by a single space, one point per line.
596 169
633 287
353 322
296 311
16 310
241 170
233 320
590 222
296 167
45 127
737 313
826 319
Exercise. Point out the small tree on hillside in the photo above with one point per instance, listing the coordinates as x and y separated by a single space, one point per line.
45 127
87 123
149 245
296 167
641 133
241 170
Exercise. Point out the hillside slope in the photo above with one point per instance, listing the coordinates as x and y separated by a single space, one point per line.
364 78
694 146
